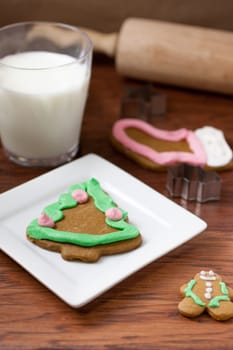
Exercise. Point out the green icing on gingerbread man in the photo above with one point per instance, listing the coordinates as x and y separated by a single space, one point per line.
207 292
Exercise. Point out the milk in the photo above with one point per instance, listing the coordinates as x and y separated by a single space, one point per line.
42 99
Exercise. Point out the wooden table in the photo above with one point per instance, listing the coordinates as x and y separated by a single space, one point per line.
140 312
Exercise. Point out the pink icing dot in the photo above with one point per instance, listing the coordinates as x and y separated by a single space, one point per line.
80 196
45 220
113 214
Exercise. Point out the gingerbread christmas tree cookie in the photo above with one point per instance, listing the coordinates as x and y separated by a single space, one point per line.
84 224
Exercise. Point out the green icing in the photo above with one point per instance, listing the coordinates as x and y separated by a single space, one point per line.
215 301
120 224
190 294
84 239
66 201
54 212
102 202
101 199
224 289
81 186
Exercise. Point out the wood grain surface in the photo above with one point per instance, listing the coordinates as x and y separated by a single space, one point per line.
140 312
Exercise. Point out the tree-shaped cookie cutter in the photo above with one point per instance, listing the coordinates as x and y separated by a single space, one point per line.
193 183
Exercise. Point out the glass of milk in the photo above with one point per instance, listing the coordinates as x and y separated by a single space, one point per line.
45 71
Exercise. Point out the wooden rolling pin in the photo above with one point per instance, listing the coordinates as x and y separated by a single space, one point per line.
169 53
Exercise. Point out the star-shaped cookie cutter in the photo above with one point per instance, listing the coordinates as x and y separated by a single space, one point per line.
193 183
142 102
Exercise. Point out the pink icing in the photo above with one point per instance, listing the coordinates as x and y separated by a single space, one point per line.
113 214
198 157
45 220
80 196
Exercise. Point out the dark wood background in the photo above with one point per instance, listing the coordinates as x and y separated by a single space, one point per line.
108 16
140 312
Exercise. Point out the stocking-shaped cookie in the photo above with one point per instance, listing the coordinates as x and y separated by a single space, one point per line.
156 149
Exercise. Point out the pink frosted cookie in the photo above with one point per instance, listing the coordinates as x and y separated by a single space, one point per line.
157 149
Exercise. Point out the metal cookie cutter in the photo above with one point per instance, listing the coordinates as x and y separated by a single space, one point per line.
143 102
193 183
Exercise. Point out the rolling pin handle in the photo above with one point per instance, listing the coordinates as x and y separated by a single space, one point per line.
102 42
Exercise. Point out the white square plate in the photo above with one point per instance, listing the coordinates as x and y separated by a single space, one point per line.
163 224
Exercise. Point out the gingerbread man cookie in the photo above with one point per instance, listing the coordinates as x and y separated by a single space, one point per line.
207 292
